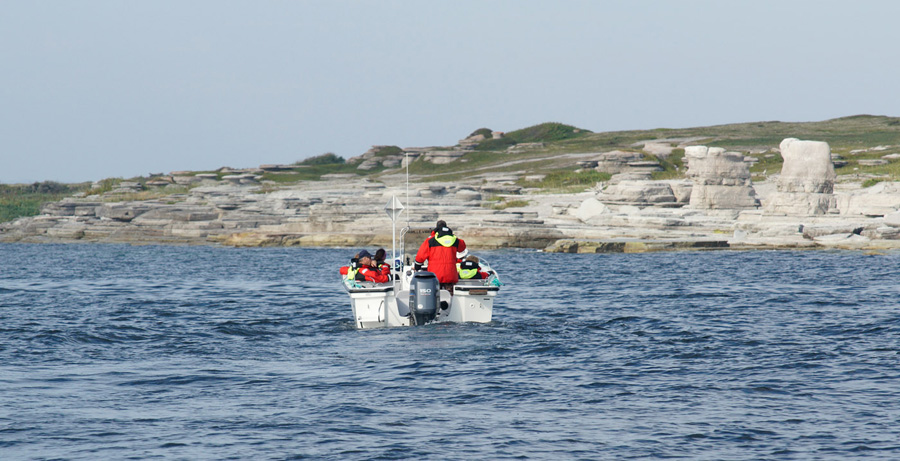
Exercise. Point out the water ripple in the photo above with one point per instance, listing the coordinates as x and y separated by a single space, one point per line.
195 353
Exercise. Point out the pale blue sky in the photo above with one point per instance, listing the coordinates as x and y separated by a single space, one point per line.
95 89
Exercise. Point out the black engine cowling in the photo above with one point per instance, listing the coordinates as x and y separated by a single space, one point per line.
424 296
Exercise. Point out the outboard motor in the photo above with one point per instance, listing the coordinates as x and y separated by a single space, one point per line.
424 293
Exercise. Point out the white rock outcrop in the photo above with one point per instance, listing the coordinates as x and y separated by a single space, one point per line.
721 179
881 199
806 183
639 193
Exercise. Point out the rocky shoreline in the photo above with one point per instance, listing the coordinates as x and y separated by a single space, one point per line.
715 207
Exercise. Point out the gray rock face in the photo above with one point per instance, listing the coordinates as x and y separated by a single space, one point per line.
639 193
881 199
721 179
617 161
806 183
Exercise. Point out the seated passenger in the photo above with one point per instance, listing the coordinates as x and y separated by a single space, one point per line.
350 271
368 272
469 269
382 266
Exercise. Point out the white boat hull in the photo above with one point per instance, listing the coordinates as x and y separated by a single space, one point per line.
383 306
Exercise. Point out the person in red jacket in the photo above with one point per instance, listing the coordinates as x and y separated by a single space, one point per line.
368 272
380 263
440 252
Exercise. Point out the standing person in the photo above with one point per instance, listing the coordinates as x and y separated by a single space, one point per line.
439 225
440 252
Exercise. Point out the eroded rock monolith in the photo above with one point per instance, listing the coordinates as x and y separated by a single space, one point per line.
721 179
806 183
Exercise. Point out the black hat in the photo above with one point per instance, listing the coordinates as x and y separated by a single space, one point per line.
364 254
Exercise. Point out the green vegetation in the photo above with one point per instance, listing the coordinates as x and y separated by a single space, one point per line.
104 186
673 165
768 163
546 132
566 181
327 158
486 132
313 172
19 200
871 182
504 204
495 144
388 150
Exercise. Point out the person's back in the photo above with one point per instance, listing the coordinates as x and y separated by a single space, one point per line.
440 252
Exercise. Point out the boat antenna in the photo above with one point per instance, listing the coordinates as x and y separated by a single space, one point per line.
408 203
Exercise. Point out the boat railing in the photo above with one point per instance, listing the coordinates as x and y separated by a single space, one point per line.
356 286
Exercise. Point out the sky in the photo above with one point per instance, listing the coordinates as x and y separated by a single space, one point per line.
98 89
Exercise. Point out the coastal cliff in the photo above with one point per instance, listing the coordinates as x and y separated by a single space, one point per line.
660 194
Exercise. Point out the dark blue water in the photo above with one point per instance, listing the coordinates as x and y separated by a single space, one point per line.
118 352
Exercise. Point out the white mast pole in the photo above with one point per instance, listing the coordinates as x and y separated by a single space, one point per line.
408 203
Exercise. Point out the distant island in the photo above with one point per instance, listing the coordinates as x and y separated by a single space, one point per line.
551 186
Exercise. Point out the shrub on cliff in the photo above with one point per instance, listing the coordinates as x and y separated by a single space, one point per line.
324 159
388 150
546 132
495 144
486 132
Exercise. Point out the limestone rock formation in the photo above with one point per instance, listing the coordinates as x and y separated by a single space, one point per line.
617 161
721 179
806 183
639 193
879 200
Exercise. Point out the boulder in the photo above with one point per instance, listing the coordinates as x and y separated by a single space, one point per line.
589 209
892 219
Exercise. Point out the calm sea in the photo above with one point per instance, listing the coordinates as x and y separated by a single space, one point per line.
120 352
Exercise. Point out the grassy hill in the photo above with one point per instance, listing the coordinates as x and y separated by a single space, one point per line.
551 150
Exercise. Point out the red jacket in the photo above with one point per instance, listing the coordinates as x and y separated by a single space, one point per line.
440 252
371 274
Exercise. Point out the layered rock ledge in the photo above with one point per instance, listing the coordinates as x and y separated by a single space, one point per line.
716 207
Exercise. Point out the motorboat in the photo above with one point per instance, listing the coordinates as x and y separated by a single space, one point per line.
414 297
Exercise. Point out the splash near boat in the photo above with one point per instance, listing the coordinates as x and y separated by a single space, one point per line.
412 295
